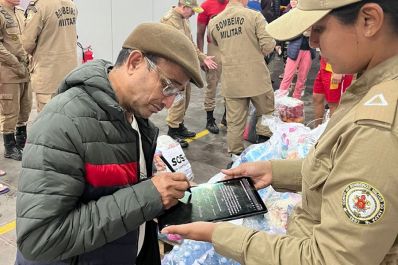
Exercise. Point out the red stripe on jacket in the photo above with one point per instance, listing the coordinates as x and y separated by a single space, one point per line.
109 175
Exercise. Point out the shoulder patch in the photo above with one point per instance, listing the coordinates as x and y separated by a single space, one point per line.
362 203
9 20
378 107
31 9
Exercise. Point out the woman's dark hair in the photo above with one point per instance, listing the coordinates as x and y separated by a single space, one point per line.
349 14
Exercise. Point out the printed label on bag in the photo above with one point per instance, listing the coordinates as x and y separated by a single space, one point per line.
177 159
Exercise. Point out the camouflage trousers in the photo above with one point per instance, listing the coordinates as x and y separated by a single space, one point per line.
15 106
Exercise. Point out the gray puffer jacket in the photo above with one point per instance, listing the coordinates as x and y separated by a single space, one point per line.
80 200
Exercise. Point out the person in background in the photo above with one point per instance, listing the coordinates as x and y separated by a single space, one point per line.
254 5
210 9
245 77
271 9
50 38
177 17
299 61
15 92
87 193
348 212
329 87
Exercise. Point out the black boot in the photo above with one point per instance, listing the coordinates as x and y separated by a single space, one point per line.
183 132
262 139
224 119
174 133
182 142
10 147
20 137
211 125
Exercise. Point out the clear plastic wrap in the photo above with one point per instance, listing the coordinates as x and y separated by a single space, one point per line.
290 109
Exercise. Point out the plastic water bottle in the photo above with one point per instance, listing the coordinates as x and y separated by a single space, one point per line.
326 114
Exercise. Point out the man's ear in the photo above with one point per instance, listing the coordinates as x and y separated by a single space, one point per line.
135 58
371 18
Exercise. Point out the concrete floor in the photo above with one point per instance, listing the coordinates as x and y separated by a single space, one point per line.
207 154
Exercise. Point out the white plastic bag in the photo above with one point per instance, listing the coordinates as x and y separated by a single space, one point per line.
173 153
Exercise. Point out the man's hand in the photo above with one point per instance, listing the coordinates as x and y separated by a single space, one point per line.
208 61
21 70
278 50
199 231
260 172
171 187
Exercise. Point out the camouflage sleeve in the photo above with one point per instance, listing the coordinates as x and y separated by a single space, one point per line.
34 23
172 23
201 55
6 57
267 43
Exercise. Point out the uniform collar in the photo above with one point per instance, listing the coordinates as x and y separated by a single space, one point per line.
175 13
382 72
233 4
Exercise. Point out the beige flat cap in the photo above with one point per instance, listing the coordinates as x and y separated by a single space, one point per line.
167 42
299 19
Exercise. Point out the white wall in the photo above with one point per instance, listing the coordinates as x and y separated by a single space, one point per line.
104 24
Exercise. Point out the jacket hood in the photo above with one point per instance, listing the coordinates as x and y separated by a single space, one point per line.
92 77
93 74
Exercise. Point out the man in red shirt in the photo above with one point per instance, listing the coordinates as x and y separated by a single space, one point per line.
211 8
328 86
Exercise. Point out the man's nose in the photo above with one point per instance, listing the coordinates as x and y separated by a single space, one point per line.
168 101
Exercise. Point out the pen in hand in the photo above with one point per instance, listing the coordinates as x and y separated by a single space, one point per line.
172 169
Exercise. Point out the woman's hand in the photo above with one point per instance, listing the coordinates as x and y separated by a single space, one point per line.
260 172
199 231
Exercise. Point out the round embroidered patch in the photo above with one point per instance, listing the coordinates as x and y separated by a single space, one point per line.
362 203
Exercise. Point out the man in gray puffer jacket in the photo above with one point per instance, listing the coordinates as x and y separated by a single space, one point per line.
86 193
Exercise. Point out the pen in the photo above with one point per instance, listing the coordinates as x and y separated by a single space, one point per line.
172 169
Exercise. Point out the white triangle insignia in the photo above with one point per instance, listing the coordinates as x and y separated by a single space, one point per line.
377 100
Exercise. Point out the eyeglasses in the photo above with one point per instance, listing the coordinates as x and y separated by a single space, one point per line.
169 88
